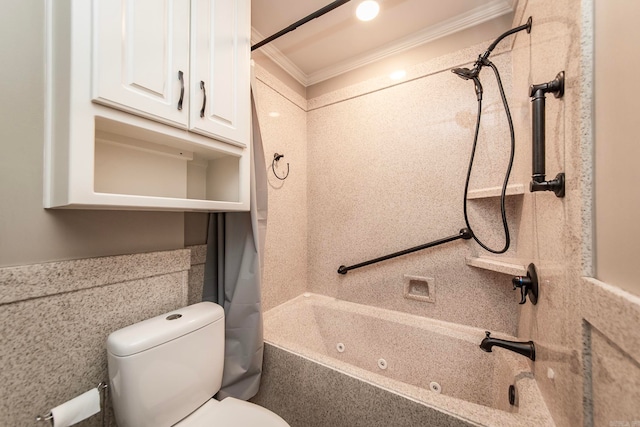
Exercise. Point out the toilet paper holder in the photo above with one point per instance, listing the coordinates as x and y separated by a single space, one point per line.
101 387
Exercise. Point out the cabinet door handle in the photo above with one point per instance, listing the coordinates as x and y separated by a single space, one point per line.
181 78
204 101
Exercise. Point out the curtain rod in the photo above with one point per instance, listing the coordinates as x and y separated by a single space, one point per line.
316 14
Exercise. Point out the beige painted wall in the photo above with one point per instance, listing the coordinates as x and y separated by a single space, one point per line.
28 233
617 146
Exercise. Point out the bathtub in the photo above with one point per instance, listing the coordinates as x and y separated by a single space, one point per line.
436 364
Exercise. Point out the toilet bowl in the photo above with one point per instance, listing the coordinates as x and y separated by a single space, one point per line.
164 371
232 412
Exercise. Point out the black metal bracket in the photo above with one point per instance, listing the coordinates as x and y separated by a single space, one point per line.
463 234
528 285
556 185
537 94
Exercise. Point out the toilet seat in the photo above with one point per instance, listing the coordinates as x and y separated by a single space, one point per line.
232 412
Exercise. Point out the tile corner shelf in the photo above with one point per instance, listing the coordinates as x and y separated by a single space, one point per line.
505 266
485 193
167 130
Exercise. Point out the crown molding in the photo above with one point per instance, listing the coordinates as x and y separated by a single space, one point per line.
461 22
279 58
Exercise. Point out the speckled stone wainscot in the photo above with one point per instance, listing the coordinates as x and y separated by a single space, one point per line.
196 273
56 317
308 394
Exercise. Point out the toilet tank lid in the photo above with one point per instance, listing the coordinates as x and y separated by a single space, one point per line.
164 328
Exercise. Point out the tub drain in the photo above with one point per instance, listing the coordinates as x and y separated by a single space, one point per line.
340 347
435 387
382 364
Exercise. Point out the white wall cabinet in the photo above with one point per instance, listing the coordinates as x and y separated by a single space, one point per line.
217 64
141 57
127 122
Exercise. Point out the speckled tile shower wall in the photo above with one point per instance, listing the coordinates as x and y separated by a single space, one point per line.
55 319
283 125
554 226
587 364
387 169
385 172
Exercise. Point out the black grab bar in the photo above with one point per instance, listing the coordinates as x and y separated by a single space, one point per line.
464 233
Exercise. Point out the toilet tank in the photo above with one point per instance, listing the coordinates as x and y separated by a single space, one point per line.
164 368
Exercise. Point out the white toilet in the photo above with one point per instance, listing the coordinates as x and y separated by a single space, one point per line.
164 371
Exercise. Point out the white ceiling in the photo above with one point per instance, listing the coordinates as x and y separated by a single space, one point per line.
338 42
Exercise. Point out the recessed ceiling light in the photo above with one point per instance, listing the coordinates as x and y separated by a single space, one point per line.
398 75
274 114
367 10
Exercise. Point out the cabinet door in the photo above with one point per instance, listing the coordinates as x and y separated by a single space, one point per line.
220 55
141 57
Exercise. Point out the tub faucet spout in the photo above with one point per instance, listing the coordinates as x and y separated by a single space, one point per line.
525 348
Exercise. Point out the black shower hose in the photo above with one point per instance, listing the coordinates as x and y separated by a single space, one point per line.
507 238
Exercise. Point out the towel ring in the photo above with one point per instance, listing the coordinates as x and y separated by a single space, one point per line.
276 158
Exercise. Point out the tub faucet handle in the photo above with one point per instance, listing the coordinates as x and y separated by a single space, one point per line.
523 283
528 285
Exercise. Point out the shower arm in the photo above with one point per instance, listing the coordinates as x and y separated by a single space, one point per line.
483 60
493 45
463 234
